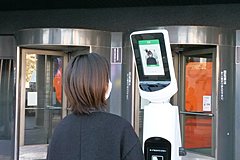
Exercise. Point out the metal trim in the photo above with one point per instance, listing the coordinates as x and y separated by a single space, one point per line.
17 110
198 35
63 37
197 114
1 65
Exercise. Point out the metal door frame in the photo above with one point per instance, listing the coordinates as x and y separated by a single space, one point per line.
181 95
23 89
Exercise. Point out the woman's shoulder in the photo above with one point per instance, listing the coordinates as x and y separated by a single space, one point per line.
98 118
111 119
112 116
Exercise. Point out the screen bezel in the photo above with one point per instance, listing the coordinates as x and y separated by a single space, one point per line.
151 36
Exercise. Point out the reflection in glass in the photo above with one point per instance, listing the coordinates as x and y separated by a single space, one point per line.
43 97
198 133
6 109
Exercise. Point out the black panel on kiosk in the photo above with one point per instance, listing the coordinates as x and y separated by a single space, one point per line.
157 148
152 62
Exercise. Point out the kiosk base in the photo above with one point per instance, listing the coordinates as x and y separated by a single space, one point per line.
161 120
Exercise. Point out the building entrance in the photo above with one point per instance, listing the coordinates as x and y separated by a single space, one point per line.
196 66
42 55
204 65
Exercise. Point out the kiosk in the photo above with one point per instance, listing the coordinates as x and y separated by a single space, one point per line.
157 84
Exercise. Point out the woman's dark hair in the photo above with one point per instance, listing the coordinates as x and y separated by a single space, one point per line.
86 82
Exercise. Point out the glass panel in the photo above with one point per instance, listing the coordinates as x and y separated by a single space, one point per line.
198 134
43 97
198 94
6 109
55 108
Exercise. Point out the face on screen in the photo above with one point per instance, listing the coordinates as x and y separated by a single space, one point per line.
151 57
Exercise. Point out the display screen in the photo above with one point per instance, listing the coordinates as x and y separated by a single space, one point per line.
151 57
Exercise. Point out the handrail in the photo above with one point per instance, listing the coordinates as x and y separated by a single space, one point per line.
48 107
53 107
198 114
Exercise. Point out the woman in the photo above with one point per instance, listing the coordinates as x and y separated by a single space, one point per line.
90 133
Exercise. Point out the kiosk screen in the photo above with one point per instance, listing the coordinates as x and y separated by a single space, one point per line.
151 57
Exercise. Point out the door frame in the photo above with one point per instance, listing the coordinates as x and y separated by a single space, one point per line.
23 52
181 94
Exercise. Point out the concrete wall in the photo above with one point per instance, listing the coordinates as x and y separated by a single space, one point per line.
122 19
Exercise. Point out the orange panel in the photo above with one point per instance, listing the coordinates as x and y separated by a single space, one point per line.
198 84
198 131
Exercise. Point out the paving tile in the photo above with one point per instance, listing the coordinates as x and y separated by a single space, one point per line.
39 152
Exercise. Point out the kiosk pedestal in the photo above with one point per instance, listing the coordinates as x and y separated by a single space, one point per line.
160 127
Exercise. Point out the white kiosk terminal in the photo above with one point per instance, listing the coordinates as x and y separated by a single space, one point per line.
157 84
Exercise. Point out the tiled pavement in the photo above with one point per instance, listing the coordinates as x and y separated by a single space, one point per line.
33 152
39 152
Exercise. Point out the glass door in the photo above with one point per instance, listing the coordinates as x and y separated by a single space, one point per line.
42 100
198 102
